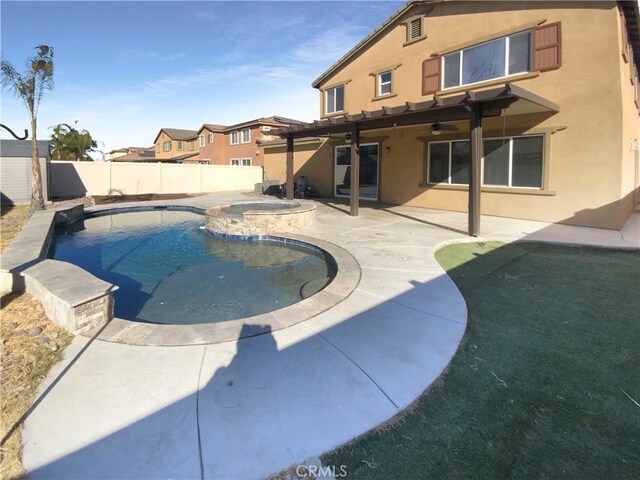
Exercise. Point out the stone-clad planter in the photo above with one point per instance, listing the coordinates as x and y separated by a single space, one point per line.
283 217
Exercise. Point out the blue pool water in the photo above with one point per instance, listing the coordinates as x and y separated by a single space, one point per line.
170 270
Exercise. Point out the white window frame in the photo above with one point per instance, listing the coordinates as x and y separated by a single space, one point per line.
234 162
166 146
192 145
380 83
210 137
506 61
201 143
180 144
510 179
245 161
233 135
335 98
246 131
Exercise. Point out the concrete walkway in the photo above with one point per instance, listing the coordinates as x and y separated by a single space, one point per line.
248 408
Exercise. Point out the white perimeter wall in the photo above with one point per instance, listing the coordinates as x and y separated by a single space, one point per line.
70 179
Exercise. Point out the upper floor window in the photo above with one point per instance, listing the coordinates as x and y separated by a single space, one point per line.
180 145
246 162
494 59
334 99
516 162
201 140
166 146
234 161
246 135
234 137
385 86
192 144
211 138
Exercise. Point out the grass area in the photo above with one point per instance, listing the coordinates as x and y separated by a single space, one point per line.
11 222
545 384
26 359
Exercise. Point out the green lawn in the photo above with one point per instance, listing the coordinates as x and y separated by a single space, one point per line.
537 387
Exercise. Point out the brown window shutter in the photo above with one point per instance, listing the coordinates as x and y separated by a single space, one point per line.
431 75
547 47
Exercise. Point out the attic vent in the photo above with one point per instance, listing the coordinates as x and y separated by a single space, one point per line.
415 28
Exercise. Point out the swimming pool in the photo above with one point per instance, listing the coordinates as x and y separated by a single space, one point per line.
171 271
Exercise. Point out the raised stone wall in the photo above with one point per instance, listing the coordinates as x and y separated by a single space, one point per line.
260 222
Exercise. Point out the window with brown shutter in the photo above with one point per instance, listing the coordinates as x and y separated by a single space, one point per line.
431 75
546 47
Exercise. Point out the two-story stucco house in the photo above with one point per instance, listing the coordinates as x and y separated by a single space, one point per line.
519 109
176 145
215 144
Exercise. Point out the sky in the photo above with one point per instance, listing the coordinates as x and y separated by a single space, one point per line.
124 69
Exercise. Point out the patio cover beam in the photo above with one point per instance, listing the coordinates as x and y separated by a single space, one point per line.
354 191
471 105
290 186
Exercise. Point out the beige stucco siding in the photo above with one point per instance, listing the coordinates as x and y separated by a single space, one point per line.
588 166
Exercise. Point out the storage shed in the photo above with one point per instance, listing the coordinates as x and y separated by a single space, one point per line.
15 170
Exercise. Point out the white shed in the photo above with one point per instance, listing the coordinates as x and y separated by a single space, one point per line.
15 170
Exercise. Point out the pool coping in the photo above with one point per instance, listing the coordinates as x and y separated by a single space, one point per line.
152 334
120 330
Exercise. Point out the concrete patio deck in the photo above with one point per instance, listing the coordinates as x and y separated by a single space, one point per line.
248 408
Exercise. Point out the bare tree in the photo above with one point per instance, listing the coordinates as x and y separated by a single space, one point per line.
30 87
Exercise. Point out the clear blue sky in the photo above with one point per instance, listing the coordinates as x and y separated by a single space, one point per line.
126 69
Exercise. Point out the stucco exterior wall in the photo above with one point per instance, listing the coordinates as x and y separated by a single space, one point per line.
313 160
163 137
110 178
214 152
585 163
630 148
244 150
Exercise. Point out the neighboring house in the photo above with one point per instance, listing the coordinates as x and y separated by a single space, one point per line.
219 144
15 170
136 154
121 152
243 139
176 145
518 109
211 145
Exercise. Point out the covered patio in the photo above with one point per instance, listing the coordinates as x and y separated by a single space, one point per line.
474 106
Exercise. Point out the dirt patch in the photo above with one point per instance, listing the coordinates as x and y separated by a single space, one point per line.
30 345
12 220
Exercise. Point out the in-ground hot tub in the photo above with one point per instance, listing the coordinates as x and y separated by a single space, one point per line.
260 217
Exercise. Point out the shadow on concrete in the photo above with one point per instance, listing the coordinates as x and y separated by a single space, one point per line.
276 403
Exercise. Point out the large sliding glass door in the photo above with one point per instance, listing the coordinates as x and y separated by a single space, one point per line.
369 162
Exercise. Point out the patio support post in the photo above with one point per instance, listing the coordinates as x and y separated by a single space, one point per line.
354 197
290 185
475 121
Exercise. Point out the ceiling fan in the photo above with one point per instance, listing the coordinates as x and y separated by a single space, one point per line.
438 128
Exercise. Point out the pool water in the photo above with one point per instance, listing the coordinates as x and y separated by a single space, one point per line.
170 270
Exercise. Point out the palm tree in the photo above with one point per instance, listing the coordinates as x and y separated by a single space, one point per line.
57 139
30 87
